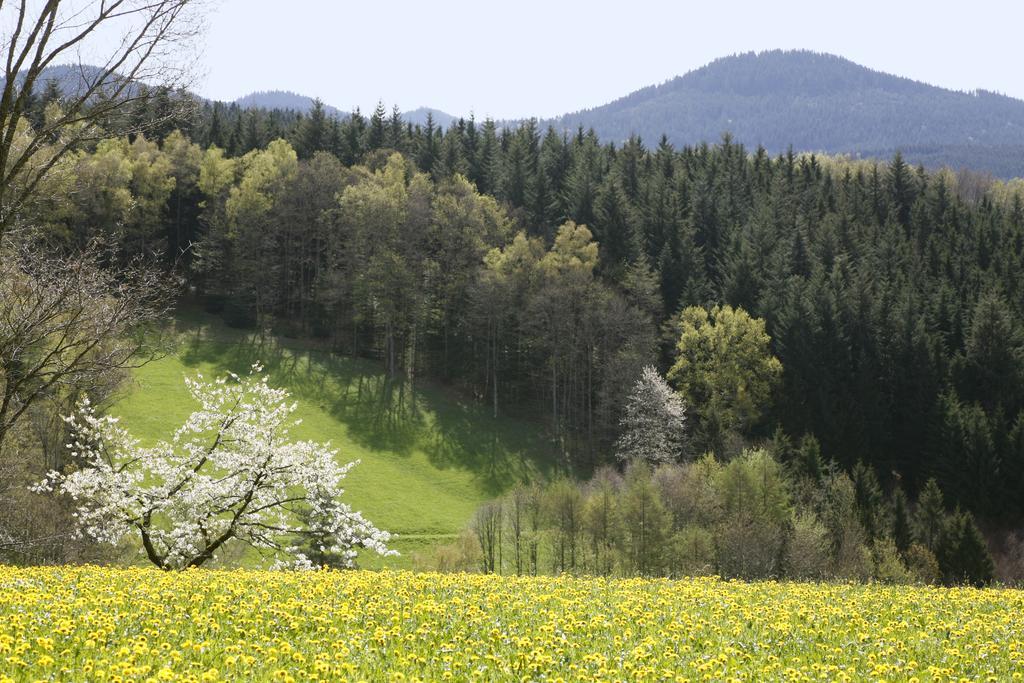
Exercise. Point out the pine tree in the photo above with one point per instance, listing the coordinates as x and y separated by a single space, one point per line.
313 134
901 189
930 517
489 159
870 501
237 138
252 133
991 369
355 131
396 133
376 134
902 523
614 227
963 554
427 155
215 135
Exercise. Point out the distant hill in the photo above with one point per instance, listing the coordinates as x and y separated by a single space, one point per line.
284 99
819 102
418 117
71 79
779 99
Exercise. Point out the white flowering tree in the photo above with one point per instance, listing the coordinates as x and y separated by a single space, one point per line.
231 472
653 423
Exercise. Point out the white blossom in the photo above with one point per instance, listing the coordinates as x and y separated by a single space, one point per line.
229 473
654 421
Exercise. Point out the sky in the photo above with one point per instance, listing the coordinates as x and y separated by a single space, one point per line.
522 58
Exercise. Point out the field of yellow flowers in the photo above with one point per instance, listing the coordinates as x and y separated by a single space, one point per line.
94 624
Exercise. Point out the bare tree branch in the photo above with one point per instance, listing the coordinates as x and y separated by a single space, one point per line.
154 46
69 323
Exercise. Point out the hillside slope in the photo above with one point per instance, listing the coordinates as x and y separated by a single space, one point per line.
283 99
428 460
819 102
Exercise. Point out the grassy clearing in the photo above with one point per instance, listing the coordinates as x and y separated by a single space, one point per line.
428 459
87 623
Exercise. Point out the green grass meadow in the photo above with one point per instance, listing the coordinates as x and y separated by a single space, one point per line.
428 458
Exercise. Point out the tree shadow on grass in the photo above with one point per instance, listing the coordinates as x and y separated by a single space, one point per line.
500 452
378 413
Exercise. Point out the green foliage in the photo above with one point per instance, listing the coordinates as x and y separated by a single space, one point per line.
724 367
963 555
807 549
902 523
751 533
645 523
930 517
922 564
889 566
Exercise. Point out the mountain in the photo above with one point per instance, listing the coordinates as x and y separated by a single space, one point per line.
72 79
418 117
818 102
778 99
284 99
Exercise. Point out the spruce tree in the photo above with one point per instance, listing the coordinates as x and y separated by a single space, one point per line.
395 133
376 134
963 554
870 501
902 523
314 132
427 155
930 517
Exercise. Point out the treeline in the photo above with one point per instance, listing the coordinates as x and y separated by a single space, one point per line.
540 272
751 517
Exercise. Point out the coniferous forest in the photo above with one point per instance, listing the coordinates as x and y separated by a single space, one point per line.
538 272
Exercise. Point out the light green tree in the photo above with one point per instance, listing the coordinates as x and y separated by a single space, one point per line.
724 368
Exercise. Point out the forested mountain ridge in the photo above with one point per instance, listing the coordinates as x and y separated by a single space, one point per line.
289 101
283 99
803 100
819 102
806 101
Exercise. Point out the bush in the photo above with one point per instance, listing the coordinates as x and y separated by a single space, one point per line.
963 554
851 558
749 547
1010 561
756 513
462 555
692 552
690 491
922 564
889 566
807 552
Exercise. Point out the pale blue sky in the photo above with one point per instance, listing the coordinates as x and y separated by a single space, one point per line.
540 58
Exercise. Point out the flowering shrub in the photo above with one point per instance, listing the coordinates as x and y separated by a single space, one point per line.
229 474
93 624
